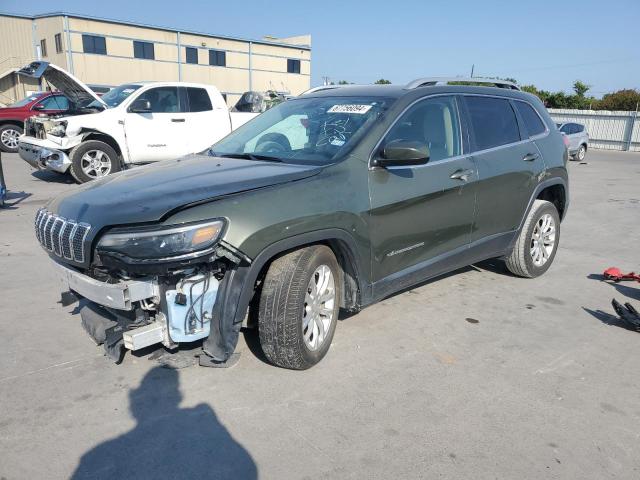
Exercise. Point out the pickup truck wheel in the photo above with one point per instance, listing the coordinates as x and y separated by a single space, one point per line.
537 243
299 306
9 135
93 159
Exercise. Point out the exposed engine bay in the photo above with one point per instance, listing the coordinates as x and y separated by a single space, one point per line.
126 311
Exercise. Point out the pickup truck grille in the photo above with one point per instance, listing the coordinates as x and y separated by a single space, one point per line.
64 238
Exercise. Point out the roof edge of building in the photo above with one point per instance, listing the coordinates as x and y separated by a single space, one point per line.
155 27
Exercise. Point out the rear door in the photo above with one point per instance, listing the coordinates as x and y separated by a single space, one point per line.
419 213
508 164
159 134
204 122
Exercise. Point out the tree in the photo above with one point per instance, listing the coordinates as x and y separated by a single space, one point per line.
580 88
382 81
344 82
627 99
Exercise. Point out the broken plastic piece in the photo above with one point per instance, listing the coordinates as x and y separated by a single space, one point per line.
614 274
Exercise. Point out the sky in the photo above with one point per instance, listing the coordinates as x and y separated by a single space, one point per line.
546 43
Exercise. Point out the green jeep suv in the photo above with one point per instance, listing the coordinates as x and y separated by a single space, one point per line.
327 202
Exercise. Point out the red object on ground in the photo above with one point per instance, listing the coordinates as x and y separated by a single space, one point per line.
614 273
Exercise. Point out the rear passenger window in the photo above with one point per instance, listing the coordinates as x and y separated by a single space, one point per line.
493 121
199 100
531 119
433 122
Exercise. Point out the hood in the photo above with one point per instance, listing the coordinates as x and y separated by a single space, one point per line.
76 91
147 194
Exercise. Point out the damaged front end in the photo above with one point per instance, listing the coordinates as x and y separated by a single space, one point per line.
149 285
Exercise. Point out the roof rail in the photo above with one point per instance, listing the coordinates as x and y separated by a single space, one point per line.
319 89
430 82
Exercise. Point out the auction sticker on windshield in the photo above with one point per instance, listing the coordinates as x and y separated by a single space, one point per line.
359 109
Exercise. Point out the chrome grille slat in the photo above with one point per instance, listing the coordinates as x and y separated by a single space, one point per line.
64 238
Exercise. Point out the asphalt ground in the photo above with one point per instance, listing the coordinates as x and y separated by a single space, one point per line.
478 374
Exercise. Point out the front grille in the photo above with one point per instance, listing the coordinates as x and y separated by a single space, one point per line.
64 238
34 129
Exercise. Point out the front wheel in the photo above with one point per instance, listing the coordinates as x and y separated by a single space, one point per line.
93 159
299 305
9 135
537 242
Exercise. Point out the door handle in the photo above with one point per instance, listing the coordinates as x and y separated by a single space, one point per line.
177 120
461 175
530 157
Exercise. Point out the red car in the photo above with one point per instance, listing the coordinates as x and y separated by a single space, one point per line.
12 117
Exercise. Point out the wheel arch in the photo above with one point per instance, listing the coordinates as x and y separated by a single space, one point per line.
556 194
12 121
105 138
343 246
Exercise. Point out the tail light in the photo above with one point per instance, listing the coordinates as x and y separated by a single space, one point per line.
565 141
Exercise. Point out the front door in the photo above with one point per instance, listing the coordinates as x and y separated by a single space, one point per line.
159 134
420 214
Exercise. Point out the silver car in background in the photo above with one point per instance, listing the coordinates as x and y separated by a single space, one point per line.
578 139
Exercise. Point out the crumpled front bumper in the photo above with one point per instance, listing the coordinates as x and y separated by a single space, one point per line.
43 157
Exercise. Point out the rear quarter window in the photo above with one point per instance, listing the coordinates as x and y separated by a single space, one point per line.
199 100
493 121
531 119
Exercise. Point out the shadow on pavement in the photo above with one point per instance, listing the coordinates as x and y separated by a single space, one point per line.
14 198
609 319
53 177
167 441
627 288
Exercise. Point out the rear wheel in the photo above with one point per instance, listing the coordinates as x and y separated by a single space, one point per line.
581 153
299 306
9 135
93 159
537 243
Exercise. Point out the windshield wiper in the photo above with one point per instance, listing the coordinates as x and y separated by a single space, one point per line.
247 156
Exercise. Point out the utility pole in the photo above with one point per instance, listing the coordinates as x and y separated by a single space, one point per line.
472 67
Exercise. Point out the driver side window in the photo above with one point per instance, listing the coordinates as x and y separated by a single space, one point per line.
162 99
57 102
433 122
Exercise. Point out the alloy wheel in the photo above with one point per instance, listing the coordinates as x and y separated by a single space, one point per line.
95 163
319 308
543 240
9 138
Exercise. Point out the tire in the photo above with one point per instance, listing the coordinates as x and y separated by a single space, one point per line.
108 161
273 143
9 137
529 259
580 154
285 308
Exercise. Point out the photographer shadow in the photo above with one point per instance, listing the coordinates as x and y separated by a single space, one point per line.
168 441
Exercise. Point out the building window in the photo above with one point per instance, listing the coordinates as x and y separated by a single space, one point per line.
192 55
217 58
293 66
143 50
43 47
58 40
94 44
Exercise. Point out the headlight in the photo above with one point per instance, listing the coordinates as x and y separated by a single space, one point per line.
162 243
59 129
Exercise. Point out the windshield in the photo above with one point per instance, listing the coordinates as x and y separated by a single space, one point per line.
26 101
304 130
116 96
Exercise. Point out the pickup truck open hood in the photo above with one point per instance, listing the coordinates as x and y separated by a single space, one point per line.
70 86
147 194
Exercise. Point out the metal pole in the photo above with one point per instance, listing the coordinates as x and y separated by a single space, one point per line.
3 186
250 66
179 57
69 54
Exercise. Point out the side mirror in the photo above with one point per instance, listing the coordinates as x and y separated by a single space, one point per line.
403 153
38 107
141 105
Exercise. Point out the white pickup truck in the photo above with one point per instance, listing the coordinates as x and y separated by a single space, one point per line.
136 123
